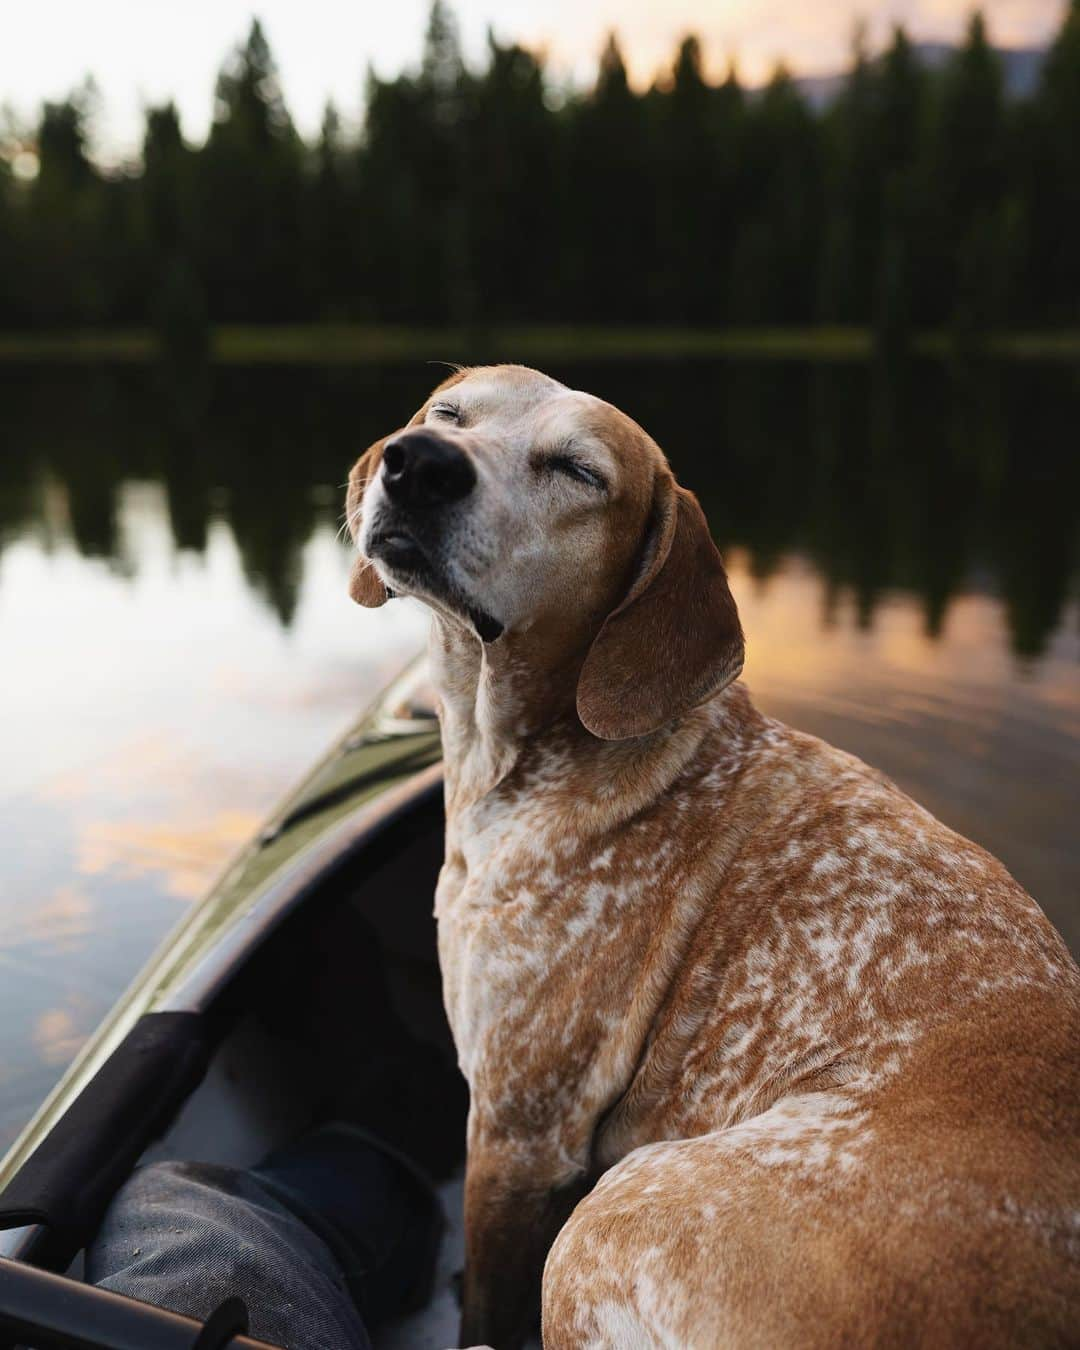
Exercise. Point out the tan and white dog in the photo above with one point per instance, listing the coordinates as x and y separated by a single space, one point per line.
760 1053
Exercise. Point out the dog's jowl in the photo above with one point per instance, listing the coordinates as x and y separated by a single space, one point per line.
760 1053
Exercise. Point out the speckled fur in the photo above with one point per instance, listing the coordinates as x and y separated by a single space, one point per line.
774 1057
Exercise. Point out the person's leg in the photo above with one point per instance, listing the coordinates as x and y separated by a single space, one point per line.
329 1223
371 1205
186 1236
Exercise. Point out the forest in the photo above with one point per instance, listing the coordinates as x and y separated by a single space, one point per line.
916 200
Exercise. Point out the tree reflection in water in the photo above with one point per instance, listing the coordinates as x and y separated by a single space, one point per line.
920 479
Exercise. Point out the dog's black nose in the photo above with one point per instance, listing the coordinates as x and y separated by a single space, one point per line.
421 468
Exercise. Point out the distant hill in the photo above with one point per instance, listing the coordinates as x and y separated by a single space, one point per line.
1022 66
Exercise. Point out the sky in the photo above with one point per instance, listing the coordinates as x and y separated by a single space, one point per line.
145 51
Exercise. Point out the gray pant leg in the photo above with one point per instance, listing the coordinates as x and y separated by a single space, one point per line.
186 1236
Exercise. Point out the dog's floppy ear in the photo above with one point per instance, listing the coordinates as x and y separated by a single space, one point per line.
365 585
675 638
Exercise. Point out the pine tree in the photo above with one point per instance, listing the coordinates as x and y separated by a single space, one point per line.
511 185
443 90
969 156
692 206
899 129
1054 183
334 224
251 193
63 218
9 243
774 262
612 230
853 194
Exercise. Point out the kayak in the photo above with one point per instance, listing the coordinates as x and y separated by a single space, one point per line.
306 980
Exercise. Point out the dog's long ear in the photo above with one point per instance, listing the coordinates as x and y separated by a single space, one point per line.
365 585
675 638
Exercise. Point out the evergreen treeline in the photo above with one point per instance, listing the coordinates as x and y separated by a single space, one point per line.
916 200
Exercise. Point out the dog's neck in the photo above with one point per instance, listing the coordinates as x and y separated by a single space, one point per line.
517 698
496 698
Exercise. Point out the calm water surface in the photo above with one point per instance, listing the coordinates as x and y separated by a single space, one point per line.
177 644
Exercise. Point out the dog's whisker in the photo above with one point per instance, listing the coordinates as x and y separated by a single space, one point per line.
348 521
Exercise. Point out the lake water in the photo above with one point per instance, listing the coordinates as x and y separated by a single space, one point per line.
176 643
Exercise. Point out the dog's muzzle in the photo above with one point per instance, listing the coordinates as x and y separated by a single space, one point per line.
423 472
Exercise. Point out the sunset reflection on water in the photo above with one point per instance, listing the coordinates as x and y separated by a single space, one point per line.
154 714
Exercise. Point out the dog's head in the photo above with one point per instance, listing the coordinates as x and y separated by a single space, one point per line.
512 505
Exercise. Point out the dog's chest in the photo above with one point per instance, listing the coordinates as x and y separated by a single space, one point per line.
540 934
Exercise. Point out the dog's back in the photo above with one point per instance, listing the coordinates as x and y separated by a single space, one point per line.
868 1072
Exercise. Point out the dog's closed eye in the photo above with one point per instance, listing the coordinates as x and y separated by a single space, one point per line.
574 468
450 412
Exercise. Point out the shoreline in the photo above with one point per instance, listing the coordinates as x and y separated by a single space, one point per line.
360 344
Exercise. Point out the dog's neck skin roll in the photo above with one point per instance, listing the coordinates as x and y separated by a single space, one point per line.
759 1052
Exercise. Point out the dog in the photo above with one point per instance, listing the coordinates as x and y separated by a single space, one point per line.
760 1054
